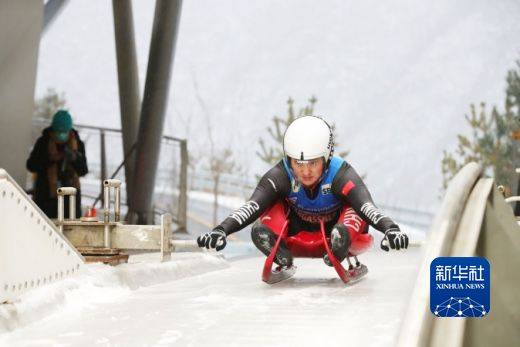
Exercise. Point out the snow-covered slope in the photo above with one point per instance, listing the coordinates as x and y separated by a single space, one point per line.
395 76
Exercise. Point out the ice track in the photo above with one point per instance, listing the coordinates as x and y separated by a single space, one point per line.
233 307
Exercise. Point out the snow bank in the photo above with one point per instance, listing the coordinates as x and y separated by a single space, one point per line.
98 284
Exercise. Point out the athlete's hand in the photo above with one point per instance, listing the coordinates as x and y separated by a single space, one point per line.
394 239
214 239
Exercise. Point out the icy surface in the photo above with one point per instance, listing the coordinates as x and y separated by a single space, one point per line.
233 307
98 284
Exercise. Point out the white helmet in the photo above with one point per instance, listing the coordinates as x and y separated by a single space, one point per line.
307 138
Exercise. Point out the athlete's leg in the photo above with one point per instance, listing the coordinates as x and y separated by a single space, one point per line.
265 233
275 217
340 242
349 237
357 228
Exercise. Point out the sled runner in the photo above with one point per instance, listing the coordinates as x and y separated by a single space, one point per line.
310 245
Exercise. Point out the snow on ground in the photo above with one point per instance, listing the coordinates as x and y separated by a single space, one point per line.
233 307
99 284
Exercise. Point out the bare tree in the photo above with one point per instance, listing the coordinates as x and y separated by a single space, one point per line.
221 161
272 154
192 155
271 151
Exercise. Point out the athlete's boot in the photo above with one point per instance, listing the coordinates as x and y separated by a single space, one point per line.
265 239
340 242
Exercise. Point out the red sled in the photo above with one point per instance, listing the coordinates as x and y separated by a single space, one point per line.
314 245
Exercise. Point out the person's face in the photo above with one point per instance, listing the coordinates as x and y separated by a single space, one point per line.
307 172
61 137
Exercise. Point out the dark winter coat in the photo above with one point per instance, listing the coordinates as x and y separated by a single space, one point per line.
53 168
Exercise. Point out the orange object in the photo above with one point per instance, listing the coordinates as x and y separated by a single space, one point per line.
91 212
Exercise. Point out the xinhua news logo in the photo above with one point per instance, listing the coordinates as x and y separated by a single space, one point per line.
459 287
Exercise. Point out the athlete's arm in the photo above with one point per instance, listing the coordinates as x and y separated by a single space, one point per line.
273 186
350 189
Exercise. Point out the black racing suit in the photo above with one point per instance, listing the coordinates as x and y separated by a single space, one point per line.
275 185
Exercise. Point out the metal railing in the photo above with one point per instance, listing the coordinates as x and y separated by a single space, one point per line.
173 172
172 180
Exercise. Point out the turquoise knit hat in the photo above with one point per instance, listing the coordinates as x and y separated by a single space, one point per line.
62 124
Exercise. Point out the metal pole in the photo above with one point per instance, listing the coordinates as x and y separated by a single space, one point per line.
515 182
50 12
166 235
72 207
61 209
107 216
103 169
128 85
107 185
71 193
517 205
166 19
117 204
114 174
183 189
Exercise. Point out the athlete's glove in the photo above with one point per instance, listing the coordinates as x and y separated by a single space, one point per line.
214 239
394 239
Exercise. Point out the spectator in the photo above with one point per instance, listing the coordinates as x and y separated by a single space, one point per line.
57 160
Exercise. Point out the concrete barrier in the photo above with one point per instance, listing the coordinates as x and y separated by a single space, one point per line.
417 323
478 222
